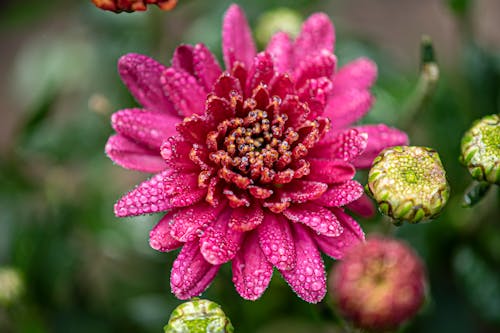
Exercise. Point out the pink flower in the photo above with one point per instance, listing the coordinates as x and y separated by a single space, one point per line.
252 165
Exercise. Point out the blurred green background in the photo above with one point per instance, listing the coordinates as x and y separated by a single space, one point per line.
77 268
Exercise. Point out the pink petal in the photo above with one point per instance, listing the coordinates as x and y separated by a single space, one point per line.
246 218
219 243
346 145
335 247
199 62
251 270
317 34
300 191
379 137
131 155
318 218
276 241
237 41
282 85
217 110
358 74
307 278
193 129
261 72
341 194
296 110
330 171
347 107
188 223
160 238
227 86
141 75
148 197
148 128
321 65
176 151
191 274
363 206
281 49
186 94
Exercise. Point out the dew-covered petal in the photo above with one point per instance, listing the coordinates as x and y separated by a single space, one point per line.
160 238
188 223
131 155
321 65
147 128
347 107
141 75
261 72
308 277
246 218
191 273
276 241
300 191
318 218
252 271
330 171
227 86
335 247
186 94
359 74
217 110
341 194
220 243
237 41
380 137
317 34
345 145
175 151
199 62
281 49
282 85
363 206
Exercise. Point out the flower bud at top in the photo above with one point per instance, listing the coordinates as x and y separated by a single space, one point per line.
379 284
11 286
481 149
279 19
198 316
408 183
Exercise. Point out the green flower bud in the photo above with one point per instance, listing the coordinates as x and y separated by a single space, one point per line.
198 316
408 183
481 149
11 286
280 19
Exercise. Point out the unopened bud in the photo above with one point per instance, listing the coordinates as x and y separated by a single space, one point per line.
11 286
409 183
280 19
198 316
481 149
379 284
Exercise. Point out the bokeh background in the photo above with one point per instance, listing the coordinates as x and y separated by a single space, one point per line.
68 265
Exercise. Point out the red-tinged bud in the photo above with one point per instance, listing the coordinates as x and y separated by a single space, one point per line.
118 6
379 284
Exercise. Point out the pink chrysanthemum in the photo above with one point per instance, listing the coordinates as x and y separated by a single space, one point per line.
253 165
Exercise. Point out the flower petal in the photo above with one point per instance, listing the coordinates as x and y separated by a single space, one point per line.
186 94
251 270
336 247
317 34
141 75
131 155
199 62
276 241
307 278
281 49
246 218
189 223
191 274
363 206
341 194
160 238
330 171
148 128
318 218
346 145
261 72
220 243
321 65
347 107
302 190
379 137
237 41
357 74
